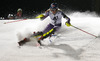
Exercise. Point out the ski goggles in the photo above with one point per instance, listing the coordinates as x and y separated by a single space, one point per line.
53 9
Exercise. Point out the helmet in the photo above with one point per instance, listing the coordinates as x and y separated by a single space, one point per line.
19 9
53 6
10 16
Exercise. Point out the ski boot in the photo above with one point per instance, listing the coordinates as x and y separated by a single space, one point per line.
38 34
39 40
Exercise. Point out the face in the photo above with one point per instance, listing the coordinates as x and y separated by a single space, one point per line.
53 11
20 12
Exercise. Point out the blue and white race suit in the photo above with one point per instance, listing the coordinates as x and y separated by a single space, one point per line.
56 20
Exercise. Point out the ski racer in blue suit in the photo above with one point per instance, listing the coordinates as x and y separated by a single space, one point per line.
56 16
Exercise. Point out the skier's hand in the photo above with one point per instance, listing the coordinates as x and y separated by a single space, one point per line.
40 16
68 24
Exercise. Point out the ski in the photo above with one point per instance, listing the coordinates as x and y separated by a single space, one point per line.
35 38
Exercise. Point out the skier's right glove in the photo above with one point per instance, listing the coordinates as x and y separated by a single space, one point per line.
41 16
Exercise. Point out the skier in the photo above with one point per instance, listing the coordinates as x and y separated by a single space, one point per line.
56 15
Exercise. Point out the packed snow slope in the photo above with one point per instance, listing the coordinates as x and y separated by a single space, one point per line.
70 45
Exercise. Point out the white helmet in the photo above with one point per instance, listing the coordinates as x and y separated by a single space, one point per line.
10 15
19 9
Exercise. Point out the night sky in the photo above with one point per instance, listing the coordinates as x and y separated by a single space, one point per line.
31 7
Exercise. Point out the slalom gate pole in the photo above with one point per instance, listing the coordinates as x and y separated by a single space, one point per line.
84 31
15 21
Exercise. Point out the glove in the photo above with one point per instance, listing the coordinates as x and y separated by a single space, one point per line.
40 16
67 24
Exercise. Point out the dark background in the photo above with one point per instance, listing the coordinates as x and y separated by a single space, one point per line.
32 7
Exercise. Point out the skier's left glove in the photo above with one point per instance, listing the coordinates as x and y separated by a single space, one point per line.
68 24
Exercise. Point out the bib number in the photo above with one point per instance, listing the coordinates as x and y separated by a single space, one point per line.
55 19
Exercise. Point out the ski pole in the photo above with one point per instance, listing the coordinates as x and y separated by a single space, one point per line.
15 21
84 31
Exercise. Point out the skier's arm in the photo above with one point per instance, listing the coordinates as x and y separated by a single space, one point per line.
67 18
45 16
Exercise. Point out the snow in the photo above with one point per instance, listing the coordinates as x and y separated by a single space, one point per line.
70 45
